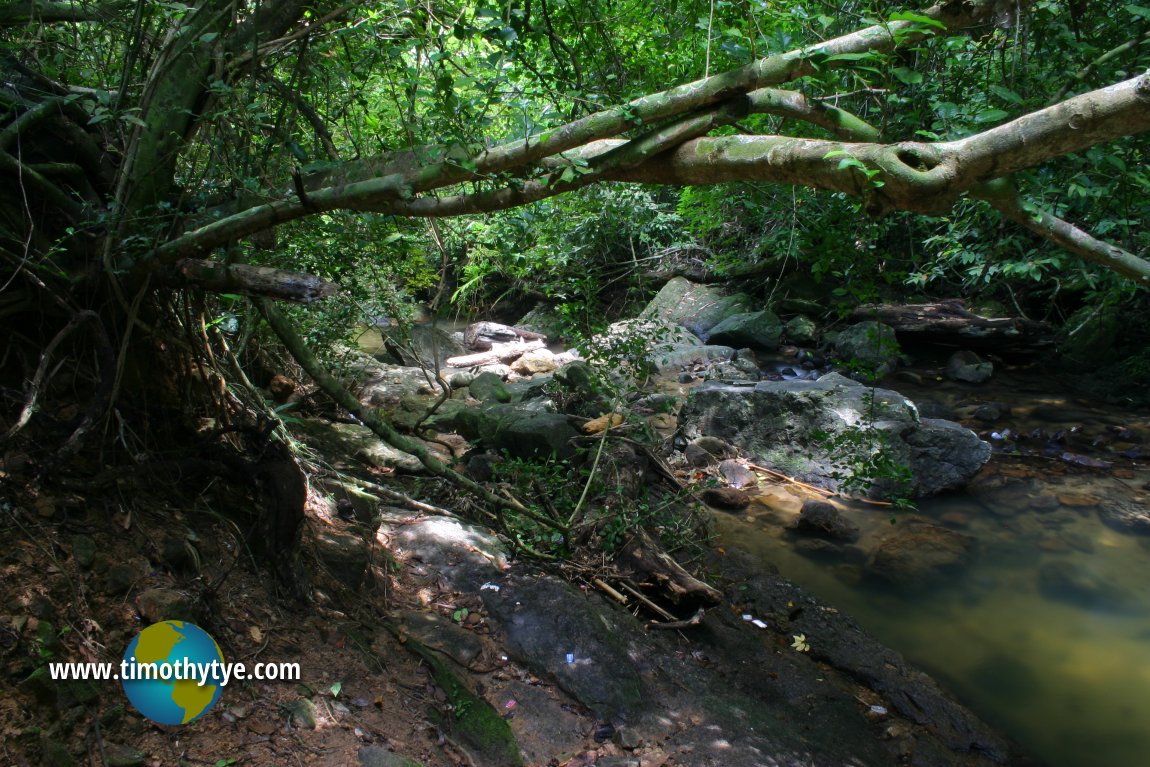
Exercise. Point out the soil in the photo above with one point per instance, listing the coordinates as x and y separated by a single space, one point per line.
57 606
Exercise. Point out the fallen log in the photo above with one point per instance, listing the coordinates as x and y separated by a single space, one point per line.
499 353
484 336
250 280
644 559
950 322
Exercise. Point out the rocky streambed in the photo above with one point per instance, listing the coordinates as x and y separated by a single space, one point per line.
752 418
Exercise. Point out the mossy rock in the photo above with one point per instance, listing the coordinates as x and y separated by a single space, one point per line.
471 719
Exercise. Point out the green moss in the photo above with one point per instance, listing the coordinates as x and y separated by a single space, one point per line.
471 718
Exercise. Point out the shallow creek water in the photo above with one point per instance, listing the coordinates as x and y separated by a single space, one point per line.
1066 675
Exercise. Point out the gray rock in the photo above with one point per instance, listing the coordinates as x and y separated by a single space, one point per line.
439 633
989 412
585 646
761 330
695 307
918 555
489 387
524 431
461 379
869 348
537 361
968 367
826 521
302 713
374 756
679 356
542 319
801 330
736 474
791 426
421 344
354 441
459 554
698 457
1126 516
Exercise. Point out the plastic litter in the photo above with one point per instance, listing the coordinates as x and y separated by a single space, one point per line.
880 710
748 617
759 623
570 657
489 587
510 704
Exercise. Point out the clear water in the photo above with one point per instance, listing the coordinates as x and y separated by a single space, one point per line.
1068 677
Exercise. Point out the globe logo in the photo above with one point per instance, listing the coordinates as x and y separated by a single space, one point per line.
163 669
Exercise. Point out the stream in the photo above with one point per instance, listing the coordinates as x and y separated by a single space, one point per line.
1060 666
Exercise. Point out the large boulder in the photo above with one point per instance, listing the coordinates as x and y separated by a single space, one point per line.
868 348
651 344
537 361
524 431
919 555
801 330
696 307
823 519
760 330
818 430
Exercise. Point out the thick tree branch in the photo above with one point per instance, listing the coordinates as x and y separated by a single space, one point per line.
955 15
40 11
251 280
1066 235
796 106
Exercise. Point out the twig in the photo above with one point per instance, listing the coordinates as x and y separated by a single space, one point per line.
606 588
694 620
647 602
780 476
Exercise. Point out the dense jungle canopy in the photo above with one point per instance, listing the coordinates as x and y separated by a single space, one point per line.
164 160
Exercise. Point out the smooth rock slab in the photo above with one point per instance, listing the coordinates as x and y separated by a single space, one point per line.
696 307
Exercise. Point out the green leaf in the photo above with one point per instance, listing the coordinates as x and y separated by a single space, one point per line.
990 115
335 688
907 75
918 18
208 37
852 56
1006 94
1139 10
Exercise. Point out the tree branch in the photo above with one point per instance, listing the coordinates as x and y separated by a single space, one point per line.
1066 235
46 12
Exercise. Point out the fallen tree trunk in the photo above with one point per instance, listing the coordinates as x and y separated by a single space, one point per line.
499 353
484 336
249 280
950 322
